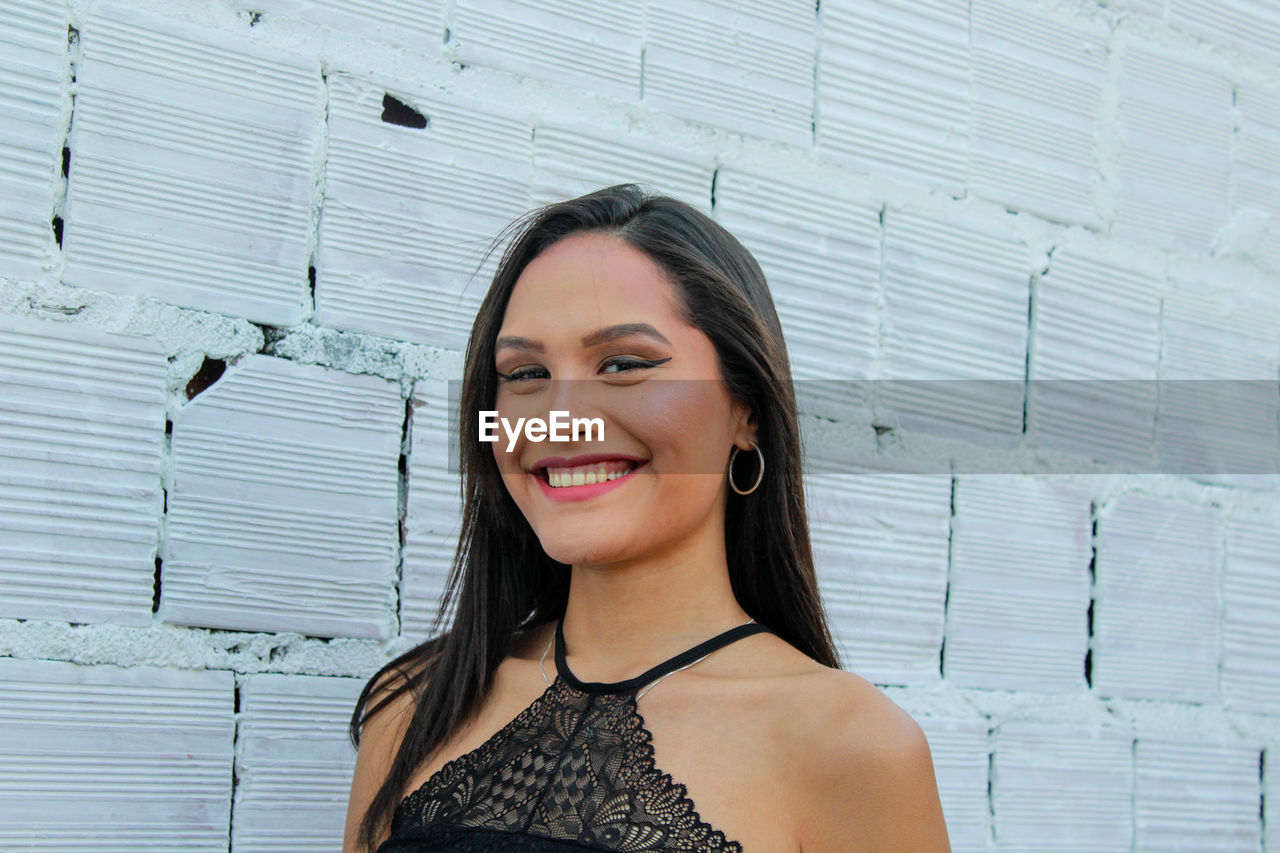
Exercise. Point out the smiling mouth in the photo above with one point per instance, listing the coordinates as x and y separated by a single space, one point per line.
586 475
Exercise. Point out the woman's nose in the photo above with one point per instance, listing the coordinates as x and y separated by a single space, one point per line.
578 397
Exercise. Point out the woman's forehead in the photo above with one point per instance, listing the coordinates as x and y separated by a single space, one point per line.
595 277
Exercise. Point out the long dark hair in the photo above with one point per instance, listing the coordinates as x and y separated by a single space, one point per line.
502 582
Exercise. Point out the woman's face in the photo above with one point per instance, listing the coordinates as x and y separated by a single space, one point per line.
593 328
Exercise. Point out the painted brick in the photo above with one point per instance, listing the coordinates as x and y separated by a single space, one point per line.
283 511
1173 172
1094 359
1248 26
82 419
1037 89
961 758
1155 616
821 256
955 308
1018 600
1251 616
101 758
742 66
1149 8
35 68
409 211
880 549
293 762
1271 801
893 87
1258 164
433 509
191 179
570 161
415 24
1211 424
593 46
1198 797
1062 788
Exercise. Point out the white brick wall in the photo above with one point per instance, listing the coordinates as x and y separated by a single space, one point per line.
821 254
1094 318
1271 803
105 758
175 134
880 545
282 511
1195 796
292 728
1156 600
433 515
741 66
1173 165
35 109
592 46
573 158
396 256
1018 597
83 445
1211 332
961 763
1246 26
1258 176
1061 787
894 88
955 308
1037 89
1250 631
225 491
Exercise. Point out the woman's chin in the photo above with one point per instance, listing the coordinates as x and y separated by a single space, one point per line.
575 549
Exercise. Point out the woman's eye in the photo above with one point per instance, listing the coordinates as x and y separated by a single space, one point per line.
623 364
523 373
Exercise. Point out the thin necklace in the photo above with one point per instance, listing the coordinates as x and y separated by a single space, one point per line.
648 687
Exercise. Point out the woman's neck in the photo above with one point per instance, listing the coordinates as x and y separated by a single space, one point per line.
622 618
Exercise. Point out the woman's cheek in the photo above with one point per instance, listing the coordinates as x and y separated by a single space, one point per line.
513 475
677 420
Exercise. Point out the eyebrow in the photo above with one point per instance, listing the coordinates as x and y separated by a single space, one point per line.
600 336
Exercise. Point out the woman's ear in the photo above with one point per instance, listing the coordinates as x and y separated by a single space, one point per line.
745 428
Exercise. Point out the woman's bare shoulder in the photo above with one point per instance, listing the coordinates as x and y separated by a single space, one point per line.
815 698
386 716
854 768
868 769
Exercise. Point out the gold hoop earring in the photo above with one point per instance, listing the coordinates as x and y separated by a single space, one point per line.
759 475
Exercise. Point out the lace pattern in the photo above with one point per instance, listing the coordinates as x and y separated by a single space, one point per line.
572 768
465 840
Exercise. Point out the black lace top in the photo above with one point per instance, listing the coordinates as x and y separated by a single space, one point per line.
573 771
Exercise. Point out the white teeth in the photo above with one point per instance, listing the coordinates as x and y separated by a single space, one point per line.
585 475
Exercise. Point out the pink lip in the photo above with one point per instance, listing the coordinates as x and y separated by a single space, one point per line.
584 492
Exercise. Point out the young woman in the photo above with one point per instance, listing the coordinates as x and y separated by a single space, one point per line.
639 659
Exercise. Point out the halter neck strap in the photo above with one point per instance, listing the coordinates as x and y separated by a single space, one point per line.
668 666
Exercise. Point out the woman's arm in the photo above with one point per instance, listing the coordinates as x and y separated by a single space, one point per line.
379 739
874 790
